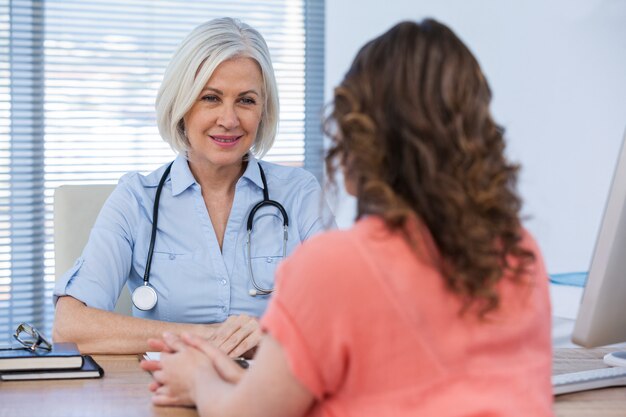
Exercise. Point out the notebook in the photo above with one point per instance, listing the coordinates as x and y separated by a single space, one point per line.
90 369
62 356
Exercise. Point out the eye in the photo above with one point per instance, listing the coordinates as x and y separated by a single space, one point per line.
248 100
211 98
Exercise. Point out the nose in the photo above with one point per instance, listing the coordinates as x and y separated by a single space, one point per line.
228 117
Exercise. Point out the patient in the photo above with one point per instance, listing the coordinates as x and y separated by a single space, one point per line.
435 303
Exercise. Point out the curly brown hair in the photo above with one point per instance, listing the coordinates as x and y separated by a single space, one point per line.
412 132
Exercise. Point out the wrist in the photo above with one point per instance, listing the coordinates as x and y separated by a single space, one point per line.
205 331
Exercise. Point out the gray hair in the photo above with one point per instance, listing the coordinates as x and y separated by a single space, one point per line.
193 63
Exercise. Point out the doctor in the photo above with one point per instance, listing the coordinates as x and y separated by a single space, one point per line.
201 256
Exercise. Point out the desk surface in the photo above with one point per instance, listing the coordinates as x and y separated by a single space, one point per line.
124 392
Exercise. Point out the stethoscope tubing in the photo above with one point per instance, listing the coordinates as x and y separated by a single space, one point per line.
258 290
155 218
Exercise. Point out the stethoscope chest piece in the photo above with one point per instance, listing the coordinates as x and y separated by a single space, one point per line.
144 297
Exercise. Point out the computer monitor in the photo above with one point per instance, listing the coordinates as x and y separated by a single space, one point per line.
602 315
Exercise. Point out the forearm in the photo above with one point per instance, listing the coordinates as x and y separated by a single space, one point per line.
268 388
99 331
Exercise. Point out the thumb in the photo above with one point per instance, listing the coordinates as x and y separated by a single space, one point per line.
173 342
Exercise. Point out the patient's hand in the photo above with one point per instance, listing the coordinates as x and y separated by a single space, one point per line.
174 375
225 366
187 364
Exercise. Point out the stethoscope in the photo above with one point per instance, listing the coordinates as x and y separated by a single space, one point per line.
145 297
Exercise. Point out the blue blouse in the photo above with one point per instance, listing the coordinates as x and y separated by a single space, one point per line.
196 282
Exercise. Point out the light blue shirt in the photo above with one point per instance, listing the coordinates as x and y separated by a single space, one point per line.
196 282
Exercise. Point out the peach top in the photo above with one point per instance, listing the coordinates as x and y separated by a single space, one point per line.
369 328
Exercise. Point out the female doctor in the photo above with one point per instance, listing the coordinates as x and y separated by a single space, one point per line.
208 265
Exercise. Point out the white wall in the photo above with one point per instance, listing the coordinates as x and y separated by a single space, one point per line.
558 72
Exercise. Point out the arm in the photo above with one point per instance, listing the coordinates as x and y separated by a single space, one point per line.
101 331
195 374
88 291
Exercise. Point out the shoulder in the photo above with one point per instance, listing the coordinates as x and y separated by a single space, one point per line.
322 261
529 243
134 190
341 260
330 246
136 179
329 255
287 174
137 184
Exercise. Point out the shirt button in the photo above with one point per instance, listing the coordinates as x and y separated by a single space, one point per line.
268 260
223 282
224 309
172 256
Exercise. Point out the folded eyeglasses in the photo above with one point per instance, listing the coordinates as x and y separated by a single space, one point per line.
30 338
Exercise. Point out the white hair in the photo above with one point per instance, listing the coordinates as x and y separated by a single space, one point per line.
193 63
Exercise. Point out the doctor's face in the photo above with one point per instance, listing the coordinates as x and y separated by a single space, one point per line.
222 124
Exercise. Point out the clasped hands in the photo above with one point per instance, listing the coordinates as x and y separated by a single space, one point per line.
191 361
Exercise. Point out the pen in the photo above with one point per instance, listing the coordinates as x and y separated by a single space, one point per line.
242 362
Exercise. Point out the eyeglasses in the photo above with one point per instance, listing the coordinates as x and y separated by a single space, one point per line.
30 338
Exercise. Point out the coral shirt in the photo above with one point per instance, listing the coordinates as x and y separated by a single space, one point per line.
370 329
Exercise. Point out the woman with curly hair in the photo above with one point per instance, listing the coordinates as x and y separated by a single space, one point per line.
435 303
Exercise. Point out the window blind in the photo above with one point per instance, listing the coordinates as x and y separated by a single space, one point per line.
78 80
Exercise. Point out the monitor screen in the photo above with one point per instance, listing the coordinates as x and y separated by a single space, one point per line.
602 315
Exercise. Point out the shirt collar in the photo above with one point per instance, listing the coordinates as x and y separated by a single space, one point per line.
252 172
182 178
180 175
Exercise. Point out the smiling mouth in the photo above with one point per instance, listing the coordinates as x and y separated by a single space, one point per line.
226 139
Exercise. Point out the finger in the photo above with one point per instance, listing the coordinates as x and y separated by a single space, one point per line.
173 342
246 325
194 340
158 345
223 364
252 352
228 369
248 329
162 396
226 329
163 400
150 366
233 340
153 386
249 342
159 376
201 344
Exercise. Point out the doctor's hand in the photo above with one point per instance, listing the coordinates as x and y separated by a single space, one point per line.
238 336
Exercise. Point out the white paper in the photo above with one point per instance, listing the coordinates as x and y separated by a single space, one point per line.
152 356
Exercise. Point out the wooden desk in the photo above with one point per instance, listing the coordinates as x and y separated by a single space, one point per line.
601 402
122 392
